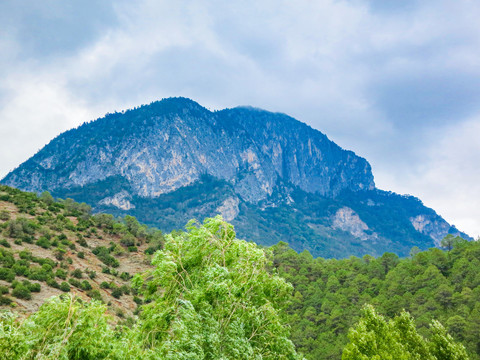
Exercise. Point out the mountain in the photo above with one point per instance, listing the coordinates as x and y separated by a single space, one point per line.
272 176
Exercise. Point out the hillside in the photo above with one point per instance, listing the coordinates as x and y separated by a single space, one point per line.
329 294
49 248
273 177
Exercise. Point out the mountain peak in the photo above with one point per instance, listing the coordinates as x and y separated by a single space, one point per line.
242 162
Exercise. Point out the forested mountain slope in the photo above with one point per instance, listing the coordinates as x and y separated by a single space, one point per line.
52 247
275 178
433 284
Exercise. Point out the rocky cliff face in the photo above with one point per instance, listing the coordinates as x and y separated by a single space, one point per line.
170 144
274 177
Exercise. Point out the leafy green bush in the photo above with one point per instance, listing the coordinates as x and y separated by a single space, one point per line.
85 285
62 274
64 286
128 240
7 274
125 276
4 215
43 242
77 273
4 300
34 287
22 292
92 274
53 283
5 243
75 282
95 295
117 293
20 270
38 273
103 255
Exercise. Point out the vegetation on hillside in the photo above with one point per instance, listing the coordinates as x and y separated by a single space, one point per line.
51 247
430 285
209 295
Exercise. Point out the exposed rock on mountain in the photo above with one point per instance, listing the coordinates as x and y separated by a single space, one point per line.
173 158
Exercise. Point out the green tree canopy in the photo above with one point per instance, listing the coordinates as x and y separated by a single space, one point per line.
212 298
375 338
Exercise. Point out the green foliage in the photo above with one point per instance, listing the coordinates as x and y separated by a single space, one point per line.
7 274
22 291
62 329
77 273
64 286
211 298
5 243
430 285
376 338
103 254
43 242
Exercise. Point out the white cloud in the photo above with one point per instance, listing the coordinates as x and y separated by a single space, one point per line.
378 77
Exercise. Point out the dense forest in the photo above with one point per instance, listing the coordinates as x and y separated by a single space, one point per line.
433 284
208 295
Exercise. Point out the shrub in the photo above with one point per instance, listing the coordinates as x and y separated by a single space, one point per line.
4 215
125 276
22 292
81 255
43 242
7 274
103 254
85 285
92 274
60 273
64 286
81 241
95 294
5 300
5 243
125 289
4 290
132 249
77 273
59 253
137 300
105 285
75 283
128 240
37 273
117 293
25 254
53 283
34 287
20 270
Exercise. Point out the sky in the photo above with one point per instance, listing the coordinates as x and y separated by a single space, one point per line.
398 82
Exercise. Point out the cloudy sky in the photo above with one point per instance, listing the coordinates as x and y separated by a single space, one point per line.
398 82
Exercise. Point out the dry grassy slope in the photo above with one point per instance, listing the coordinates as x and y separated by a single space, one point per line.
51 220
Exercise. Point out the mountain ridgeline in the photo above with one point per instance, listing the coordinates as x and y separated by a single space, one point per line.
272 176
